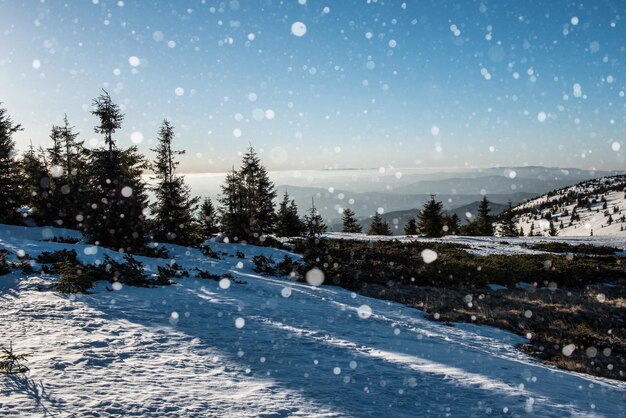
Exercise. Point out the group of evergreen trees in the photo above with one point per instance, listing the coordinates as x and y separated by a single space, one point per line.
102 193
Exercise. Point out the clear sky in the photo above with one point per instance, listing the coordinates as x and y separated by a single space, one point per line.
318 84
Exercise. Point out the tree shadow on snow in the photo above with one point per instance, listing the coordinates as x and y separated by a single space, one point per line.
20 383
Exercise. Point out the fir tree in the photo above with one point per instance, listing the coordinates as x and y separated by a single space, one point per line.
314 222
247 201
453 224
233 218
350 224
484 221
11 196
35 184
508 227
74 176
430 219
259 194
288 223
208 219
379 226
174 207
117 200
553 232
55 206
411 227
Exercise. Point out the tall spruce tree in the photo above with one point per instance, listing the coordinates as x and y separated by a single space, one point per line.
174 207
55 206
117 199
247 201
430 218
11 195
74 176
379 226
508 228
314 222
288 223
233 218
35 184
207 220
259 195
350 224
484 221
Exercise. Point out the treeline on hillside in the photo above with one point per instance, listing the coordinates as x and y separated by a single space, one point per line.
101 192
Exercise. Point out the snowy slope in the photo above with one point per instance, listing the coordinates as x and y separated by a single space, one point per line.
594 219
269 347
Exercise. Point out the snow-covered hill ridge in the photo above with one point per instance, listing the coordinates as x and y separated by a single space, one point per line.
269 347
595 207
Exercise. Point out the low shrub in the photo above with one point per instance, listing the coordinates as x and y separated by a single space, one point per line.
59 256
5 268
208 252
289 267
264 265
75 278
11 362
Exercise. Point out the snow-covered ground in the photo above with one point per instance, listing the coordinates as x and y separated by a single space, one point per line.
492 245
269 347
594 220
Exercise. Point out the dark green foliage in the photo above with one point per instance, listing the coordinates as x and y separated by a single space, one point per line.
411 227
208 219
553 232
354 264
203 274
208 252
117 199
247 201
314 223
36 185
264 265
430 219
484 221
114 218
130 272
288 223
174 207
289 267
508 228
74 278
59 256
11 194
452 224
350 224
379 226
73 163
172 270
11 362
5 268
564 247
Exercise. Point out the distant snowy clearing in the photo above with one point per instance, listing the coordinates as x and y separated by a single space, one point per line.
269 347
492 245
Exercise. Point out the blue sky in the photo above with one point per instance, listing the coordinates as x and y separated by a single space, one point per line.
414 84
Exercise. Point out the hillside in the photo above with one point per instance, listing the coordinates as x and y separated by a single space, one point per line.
259 346
592 207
